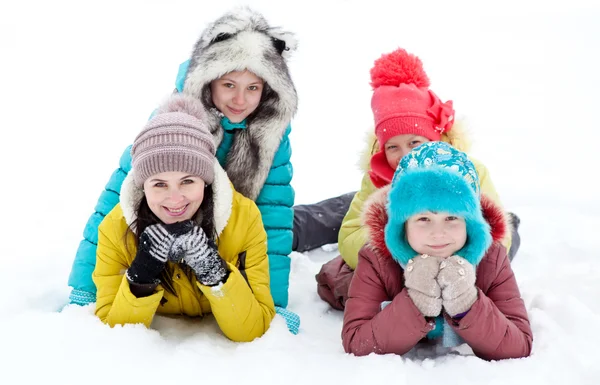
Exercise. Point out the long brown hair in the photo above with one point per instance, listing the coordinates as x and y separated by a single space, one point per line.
145 217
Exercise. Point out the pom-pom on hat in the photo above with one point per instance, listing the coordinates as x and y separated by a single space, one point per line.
402 102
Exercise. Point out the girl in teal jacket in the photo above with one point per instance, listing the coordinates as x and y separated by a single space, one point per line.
238 71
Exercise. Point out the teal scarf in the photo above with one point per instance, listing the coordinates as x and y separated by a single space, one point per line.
228 132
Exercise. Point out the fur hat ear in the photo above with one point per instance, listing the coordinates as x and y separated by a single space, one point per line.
286 40
243 18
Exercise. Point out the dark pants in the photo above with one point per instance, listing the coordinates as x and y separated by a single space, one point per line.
318 224
515 221
333 280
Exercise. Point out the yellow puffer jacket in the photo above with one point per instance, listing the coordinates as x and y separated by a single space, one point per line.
353 235
242 306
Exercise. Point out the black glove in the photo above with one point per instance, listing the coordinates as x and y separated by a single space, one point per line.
153 252
202 256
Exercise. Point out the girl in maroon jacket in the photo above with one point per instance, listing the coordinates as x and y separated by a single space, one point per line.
433 267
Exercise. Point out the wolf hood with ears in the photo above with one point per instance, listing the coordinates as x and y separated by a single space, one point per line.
255 155
242 40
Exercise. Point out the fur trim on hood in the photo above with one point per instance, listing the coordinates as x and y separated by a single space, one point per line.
375 218
239 40
131 195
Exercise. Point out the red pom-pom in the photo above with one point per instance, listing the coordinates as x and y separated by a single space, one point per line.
398 67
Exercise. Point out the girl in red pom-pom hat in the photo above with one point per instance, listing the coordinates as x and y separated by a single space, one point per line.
403 107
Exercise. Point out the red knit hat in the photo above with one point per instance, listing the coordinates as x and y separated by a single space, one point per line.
402 103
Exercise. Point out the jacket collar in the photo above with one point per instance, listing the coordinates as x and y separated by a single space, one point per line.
230 127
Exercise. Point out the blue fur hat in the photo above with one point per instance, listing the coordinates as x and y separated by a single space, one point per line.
436 177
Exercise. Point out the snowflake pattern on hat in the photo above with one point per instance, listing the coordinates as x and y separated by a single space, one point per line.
440 154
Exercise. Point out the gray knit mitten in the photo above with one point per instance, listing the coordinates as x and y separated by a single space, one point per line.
420 280
457 281
202 256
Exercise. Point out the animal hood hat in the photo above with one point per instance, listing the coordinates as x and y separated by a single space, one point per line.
242 40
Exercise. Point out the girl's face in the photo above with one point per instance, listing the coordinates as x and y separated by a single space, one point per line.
237 94
174 196
436 234
400 145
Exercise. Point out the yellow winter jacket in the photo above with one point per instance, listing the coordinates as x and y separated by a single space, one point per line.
353 235
242 306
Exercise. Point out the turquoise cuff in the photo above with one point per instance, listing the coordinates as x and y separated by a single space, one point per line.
82 298
291 319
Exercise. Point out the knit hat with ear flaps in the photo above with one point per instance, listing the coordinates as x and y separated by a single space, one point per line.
176 139
402 103
436 177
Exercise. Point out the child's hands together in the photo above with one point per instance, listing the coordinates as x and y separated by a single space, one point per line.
433 282
456 279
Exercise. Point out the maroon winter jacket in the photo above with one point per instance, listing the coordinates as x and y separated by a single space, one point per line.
496 327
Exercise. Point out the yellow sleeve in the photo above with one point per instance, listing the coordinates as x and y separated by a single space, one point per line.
487 188
353 235
115 304
244 310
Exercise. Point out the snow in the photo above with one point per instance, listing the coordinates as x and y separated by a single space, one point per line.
79 79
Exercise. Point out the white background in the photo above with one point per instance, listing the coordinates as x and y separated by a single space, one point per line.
79 79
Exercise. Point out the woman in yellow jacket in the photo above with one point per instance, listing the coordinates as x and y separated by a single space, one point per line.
182 241
407 114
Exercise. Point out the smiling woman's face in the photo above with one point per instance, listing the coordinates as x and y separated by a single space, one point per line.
174 196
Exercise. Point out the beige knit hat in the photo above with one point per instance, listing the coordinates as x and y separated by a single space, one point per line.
174 141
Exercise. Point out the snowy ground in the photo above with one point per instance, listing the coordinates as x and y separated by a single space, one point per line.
79 79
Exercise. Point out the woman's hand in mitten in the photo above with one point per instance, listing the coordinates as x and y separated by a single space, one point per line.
202 256
153 251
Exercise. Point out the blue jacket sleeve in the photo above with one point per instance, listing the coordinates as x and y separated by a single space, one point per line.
275 203
80 279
